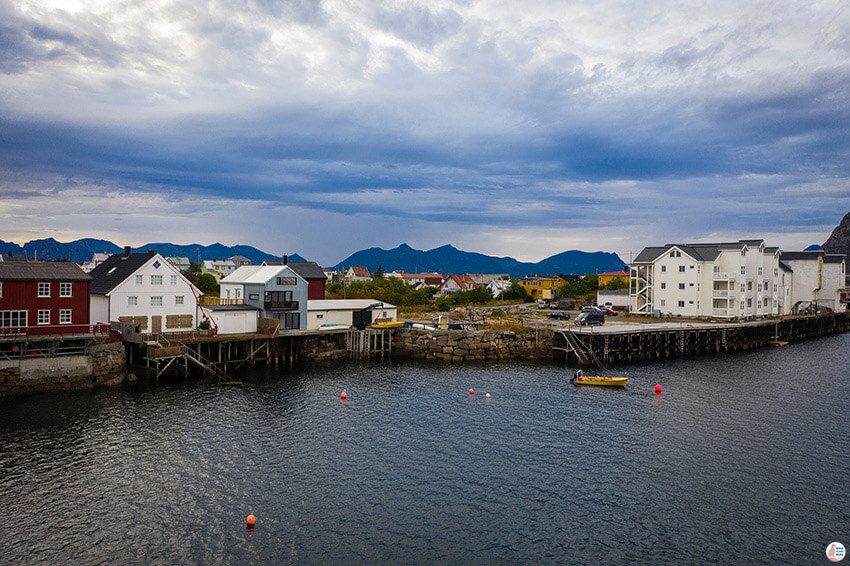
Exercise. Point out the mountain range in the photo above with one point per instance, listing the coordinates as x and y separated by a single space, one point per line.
839 241
80 251
448 259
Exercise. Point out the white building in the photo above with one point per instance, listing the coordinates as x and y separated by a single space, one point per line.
724 280
96 260
180 262
340 312
818 278
278 290
499 286
358 273
143 289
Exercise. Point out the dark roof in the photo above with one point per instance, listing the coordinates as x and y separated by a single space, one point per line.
786 267
801 255
44 271
648 255
307 269
231 307
770 250
105 278
834 258
13 257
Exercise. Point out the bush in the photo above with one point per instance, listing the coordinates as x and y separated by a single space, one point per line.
516 292
479 295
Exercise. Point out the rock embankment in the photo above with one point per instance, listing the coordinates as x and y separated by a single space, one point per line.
465 345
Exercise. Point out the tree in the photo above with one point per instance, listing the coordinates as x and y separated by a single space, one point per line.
379 273
207 284
516 292
617 283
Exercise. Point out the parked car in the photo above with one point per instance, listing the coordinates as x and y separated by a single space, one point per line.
609 306
587 318
541 303
560 315
611 312
553 304
592 308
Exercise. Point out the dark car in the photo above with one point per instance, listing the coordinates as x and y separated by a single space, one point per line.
558 315
587 318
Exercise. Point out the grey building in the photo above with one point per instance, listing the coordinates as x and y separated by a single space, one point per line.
277 290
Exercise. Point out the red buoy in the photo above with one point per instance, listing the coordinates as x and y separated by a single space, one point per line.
343 395
471 392
658 388
251 520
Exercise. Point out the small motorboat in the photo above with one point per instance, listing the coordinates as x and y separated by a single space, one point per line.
603 381
389 324
580 379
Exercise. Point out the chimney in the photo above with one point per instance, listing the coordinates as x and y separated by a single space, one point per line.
285 259
127 251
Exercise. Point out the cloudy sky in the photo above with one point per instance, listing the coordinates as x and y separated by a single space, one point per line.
509 128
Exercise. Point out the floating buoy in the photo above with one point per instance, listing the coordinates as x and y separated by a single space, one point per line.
488 395
580 378
343 395
658 388
471 392
251 520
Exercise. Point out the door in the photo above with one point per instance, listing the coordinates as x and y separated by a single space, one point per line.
156 324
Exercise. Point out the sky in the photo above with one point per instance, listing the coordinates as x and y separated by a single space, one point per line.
322 127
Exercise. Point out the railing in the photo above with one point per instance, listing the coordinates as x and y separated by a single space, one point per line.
721 312
220 301
719 293
281 305
57 330
723 275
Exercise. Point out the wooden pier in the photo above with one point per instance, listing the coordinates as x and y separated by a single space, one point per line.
647 342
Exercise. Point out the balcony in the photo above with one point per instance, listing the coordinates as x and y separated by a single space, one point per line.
722 312
57 330
280 305
723 276
720 293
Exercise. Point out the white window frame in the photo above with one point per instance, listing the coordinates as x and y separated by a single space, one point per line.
41 286
156 280
63 287
681 269
157 302
62 314
132 301
140 280
1 289
42 312
174 280
22 316
178 300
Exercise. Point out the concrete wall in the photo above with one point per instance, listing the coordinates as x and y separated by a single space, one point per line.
463 345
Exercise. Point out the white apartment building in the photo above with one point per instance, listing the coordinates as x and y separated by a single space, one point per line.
732 280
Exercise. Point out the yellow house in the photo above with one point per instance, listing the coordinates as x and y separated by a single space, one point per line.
605 278
545 288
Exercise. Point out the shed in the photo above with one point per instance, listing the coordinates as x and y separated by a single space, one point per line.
340 312
234 319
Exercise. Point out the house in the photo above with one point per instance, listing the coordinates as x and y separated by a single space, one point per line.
724 280
311 272
484 279
818 279
277 290
358 273
330 274
218 268
605 278
417 280
240 260
341 312
619 299
454 283
541 287
499 286
43 298
143 289
180 262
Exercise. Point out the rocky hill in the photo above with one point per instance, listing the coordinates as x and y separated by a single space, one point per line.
839 240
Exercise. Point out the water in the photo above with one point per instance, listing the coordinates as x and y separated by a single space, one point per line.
742 459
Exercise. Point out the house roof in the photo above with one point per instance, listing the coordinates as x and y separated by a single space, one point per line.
785 266
344 304
259 274
115 269
13 257
615 274
239 258
360 271
619 292
834 258
811 256
308 269
43 271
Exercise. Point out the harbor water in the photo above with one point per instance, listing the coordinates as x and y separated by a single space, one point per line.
743 458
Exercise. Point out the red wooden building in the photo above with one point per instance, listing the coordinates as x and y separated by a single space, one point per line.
47 298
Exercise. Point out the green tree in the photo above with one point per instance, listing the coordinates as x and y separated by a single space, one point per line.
379 273
616 284
516 292
207 284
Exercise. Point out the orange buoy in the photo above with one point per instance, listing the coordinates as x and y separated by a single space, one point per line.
471 392
251 520
343 395
488 395
658 388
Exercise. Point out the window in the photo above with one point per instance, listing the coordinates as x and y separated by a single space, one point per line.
178 300
681 303
1 288
743 251
765 302
776 273
681 269
743 270
681 285
664 285
692 267
691 285
132 301
65 316
320 316
749 285
750 303
238 293
765 285
156 301
663 268
663 302
743 287
717 269
760 271
156 279
253 297
690 302
174 280
138 279
286 281
44 316
13 319
64 289
44 289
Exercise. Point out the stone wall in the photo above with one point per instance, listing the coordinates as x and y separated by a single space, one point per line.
464 345
104 367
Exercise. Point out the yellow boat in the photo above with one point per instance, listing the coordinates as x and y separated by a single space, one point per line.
389 324
603 381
